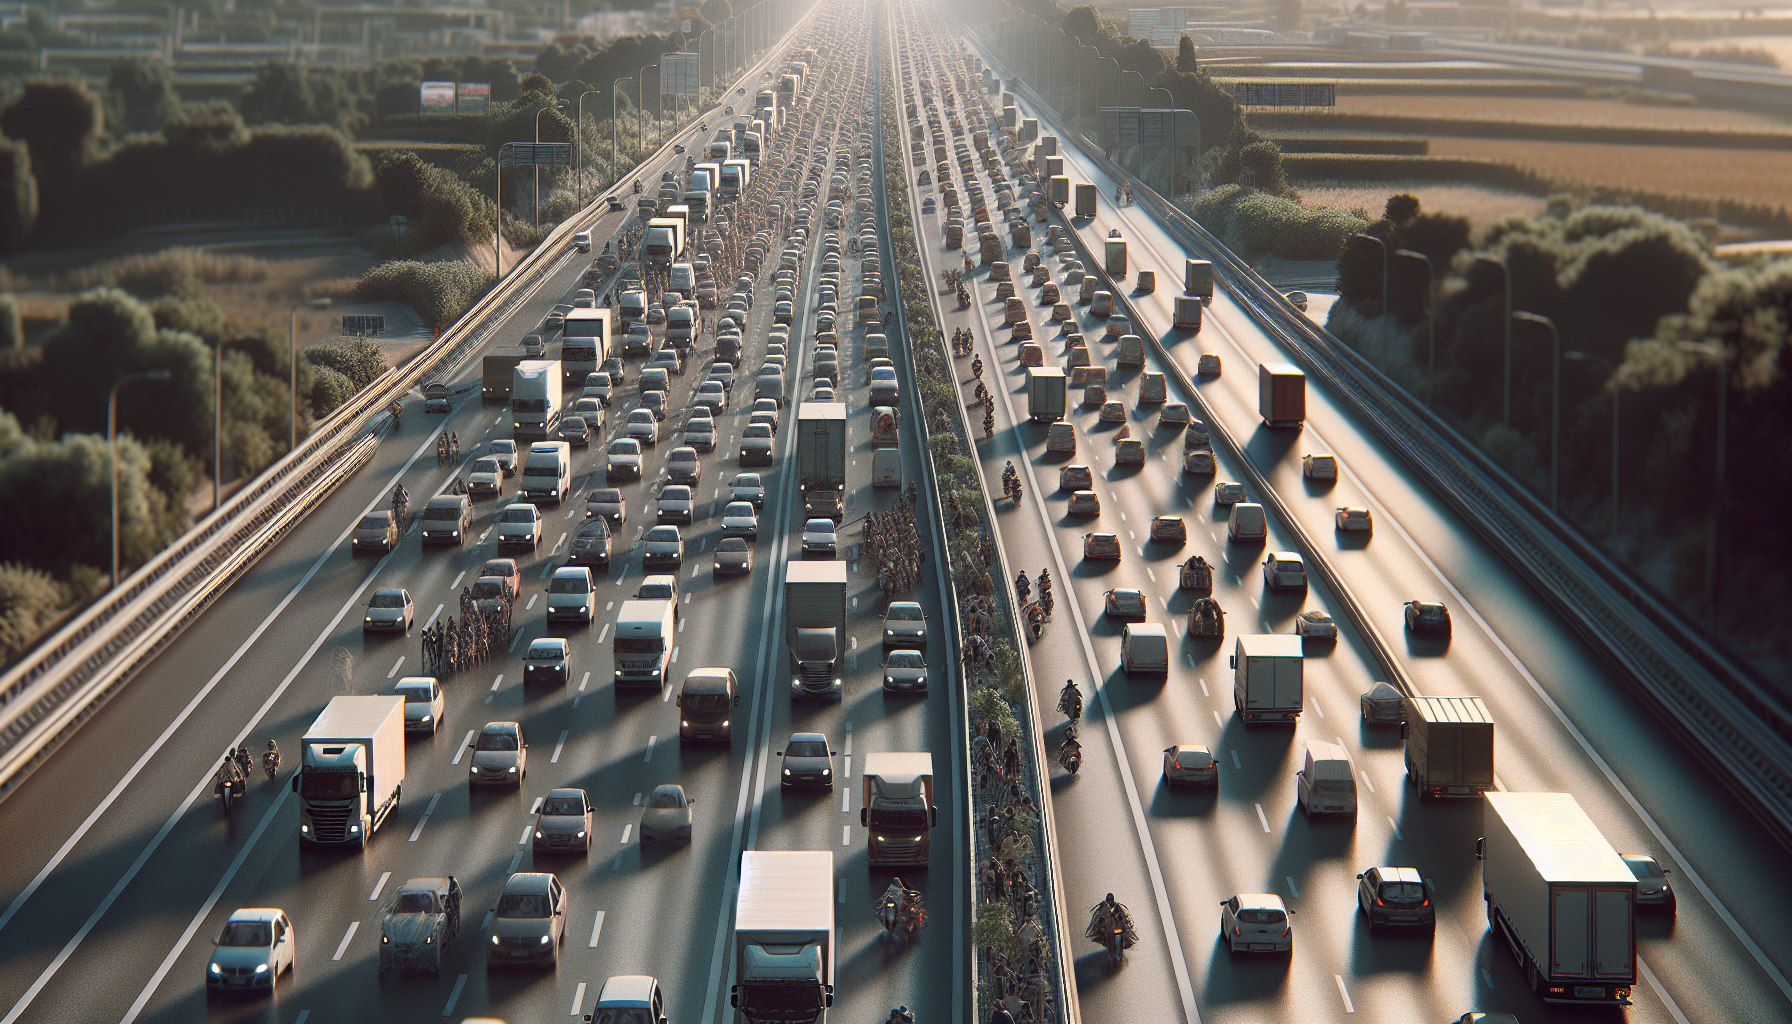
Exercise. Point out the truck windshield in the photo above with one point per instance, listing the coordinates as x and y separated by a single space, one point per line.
329 785
638 645
779 1000
528 405
905 818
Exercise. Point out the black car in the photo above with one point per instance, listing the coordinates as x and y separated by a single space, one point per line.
1427 618
591 544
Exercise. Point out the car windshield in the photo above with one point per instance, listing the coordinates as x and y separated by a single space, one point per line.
662 534
496 741
246 933
414 903
1431 611
567 585
904 613
757 430
742 509
642 415
732 544
546 652
517 515
379 522
1261 915
625 447
485 465
1643 868
593 528
486 587
416 694
516 904
1402 892
806 748
442 513
820 526
609 496
664 797
562 805
905 659
386 599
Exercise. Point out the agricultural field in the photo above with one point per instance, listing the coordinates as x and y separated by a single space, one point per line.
1746 175
1558 110
1478 203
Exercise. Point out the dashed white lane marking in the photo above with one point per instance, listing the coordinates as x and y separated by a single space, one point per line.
558 746
377 886
651 740
1344 993
461 751
431 809
1261 817
342 947
626 830
395 667
460 983
597 928
578 999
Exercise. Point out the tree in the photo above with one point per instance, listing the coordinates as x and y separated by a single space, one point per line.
63 121
536 82
280 94
18 195
1401 208
715 12
1187 62
1085 23
142 91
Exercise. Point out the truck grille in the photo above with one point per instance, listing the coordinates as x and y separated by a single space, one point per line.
329 824
816 675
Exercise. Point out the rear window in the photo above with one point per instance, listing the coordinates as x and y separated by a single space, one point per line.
1402 892
1261 916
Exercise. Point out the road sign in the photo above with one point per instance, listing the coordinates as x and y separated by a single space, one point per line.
529 154
680 74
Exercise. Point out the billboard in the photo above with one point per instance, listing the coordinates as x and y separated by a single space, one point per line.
436 98
1285 94
680 74
527 154
474 98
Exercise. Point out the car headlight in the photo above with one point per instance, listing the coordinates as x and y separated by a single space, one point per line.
368 620
305 830
827 771
889 680
544 940
354 828
426 718
385 940
217 970
261 968
581 833
538 834
494 940
474 769
684 724
513 769
786 771
889 632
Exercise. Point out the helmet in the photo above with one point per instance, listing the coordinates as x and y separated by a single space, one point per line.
1110 897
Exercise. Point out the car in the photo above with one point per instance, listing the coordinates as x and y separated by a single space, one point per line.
601 387
1085 503
574 431
739 519
519 523
884 388
1315 624
1173 414
389 609
1199 461
1285 569
1383 705
748 487
655 401
819 538
699 433
556 317
1188 764
1652 886
642 425
1208 363
656 314
376 531
734 557
1354 520
255 947
807 761
622 460
677 503
1169 530
662 548
1228 492
662 587
606 503
486 477
423 703
500 755
682 466
1427 618
1396 896
1256 922
581 240
572 594
491 596
666 818
821 394
712 394
547 660
756 445
1112 412
529 922
1129 451
1319 467
1298 300
504 450
783 312
1101 547
905 625
591 544
1125 605
564 822
1075 477
613 202
906 671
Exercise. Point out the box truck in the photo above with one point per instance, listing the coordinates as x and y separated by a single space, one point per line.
784 937
1266 684
584 344
535 399
1058 190
1449 745
1085 199
821 457
498 368
1560 896
1045 394
1281 394
897 807
664 242
1197 278
1115 261
351 769
815 627
645 632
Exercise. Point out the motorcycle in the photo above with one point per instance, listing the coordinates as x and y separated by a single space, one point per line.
964 297
1023 587
229 788
401 506
270 762
903 914
1070 756
1070 704
1113 931
637 186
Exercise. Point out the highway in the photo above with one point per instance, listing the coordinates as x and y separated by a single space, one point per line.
121 867
1564 722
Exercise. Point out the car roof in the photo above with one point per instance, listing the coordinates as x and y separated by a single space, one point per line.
808 736
732 544
266 914
1400 875
633 988
544 642
1259 901
527 883
398 591
666 531
575 571
501 729
566 792
907 606
1193 748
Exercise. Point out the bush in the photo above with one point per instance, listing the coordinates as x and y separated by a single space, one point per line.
329 389
439 292
358 361
1255 223
29 600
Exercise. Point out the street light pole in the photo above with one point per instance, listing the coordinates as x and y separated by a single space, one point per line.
641 101
292 365
1430 321
112 449
1505 276
1555 403
578 136
1719 358
538 114
1588 357
615 116
1170 195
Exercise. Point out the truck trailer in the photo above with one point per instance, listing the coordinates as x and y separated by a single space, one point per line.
1045 394
1267 680
499 366
1560 896
897 807
784 937
815 627
1449 745
351 770
535 399
821 456
1281 394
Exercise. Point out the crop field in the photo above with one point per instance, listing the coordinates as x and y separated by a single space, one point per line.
1478 203
1557 111
1747 175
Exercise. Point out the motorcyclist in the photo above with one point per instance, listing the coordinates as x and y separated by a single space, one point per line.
637 186
244 763
1108 915
397 410
977 367
228 775
901 1015
1070 752
1070 700
270 758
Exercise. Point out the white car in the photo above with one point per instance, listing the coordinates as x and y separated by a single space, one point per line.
1316 624
819 538
642 426
1285 569
740 520
572 594
547 659
486 476
905 625
519 524
667 816
1229 492
700 433
677 504
748 487
504 450
423 703
256 946
1256 923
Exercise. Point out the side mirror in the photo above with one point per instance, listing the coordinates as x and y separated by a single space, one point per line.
1481 848
737 700
295 782
1232 662
865 816
933 816
734 998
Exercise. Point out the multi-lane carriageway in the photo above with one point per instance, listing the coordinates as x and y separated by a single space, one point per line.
1565 724
119 868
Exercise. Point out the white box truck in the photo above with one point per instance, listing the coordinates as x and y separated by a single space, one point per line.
1266 684
351 769
535 399
645 633
815 627
784 937
897 807
1560 896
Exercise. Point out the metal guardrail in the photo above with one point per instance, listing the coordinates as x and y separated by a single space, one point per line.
1739 727
71 674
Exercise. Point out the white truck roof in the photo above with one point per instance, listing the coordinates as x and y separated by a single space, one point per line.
785 891
898 767
1561 841
642 617
355 717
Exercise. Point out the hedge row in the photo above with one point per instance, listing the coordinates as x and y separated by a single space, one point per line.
1371 144
439 292
1255 223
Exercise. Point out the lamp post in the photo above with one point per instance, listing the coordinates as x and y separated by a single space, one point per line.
1555 402
1506 276
292 366
112 449
1430 321
1588 357
641 101
578 137
547 107
615 116
1720 359
1170 195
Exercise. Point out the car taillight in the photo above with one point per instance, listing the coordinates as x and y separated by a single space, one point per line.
1235 930
1286 929
1176 765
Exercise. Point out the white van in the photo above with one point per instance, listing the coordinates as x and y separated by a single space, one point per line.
1144 649
1247 525
1326 785
886 467
628 999
645 632
683 279
547 472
